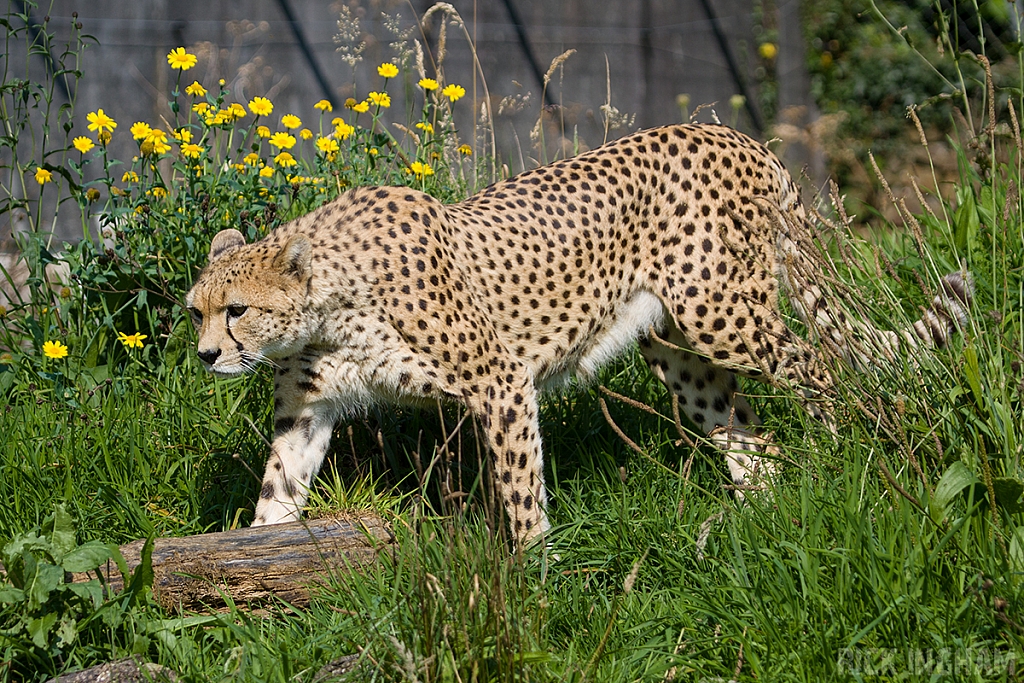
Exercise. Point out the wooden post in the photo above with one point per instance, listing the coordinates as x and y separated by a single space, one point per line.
252 565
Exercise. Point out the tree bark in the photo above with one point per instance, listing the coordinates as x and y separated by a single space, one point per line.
256 564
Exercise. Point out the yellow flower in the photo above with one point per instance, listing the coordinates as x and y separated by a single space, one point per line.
158 192
140 130
179 59
291 121
767 50
387 70
285 160
155 143
200 107
251 158
343 130
421 170
104 137
306 134
362 107
323 105
263 131
55 350
92 194
465 150
453 92
131 341
191 150
266 172
236 111
381 99
183 135
428 84
327 145
220 118
130 177
260 106
83 144
282 140
425 127
372 151
195 90
98 122
43 176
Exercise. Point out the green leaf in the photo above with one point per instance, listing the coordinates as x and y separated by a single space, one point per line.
86 557
39 628
973 373
91 591
953 481
9 594
142 577
67 632
1008 491
966 219
63 535
1017 549
41 581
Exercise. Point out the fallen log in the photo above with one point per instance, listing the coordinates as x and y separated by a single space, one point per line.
131 670
256 564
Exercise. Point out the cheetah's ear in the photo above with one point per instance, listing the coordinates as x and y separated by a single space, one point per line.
295 257
224 241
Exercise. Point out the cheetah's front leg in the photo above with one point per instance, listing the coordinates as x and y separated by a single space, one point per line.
302 433
296 454
509 413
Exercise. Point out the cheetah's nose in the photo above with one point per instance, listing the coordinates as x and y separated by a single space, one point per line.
208 357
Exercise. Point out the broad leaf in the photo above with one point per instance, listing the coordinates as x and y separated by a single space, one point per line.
953 481
86 557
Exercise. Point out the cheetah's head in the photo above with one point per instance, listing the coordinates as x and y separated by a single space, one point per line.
247 304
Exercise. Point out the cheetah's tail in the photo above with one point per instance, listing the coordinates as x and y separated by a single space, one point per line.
949 312
862 345
850 336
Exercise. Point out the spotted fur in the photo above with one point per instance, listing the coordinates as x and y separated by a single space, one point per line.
676 237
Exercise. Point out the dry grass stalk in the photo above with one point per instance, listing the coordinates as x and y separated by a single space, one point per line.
1012 199
618 430
453 15
1016 127
701 107
555 63
912 113
990 89
920 198
640 405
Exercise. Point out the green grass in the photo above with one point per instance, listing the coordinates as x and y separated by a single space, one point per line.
886 550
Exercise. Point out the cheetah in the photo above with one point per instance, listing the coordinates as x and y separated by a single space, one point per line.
676 237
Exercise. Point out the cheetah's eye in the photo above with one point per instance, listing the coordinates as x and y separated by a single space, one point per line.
236 310
197 317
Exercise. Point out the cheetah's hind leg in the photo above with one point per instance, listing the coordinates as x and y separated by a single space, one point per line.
708 396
